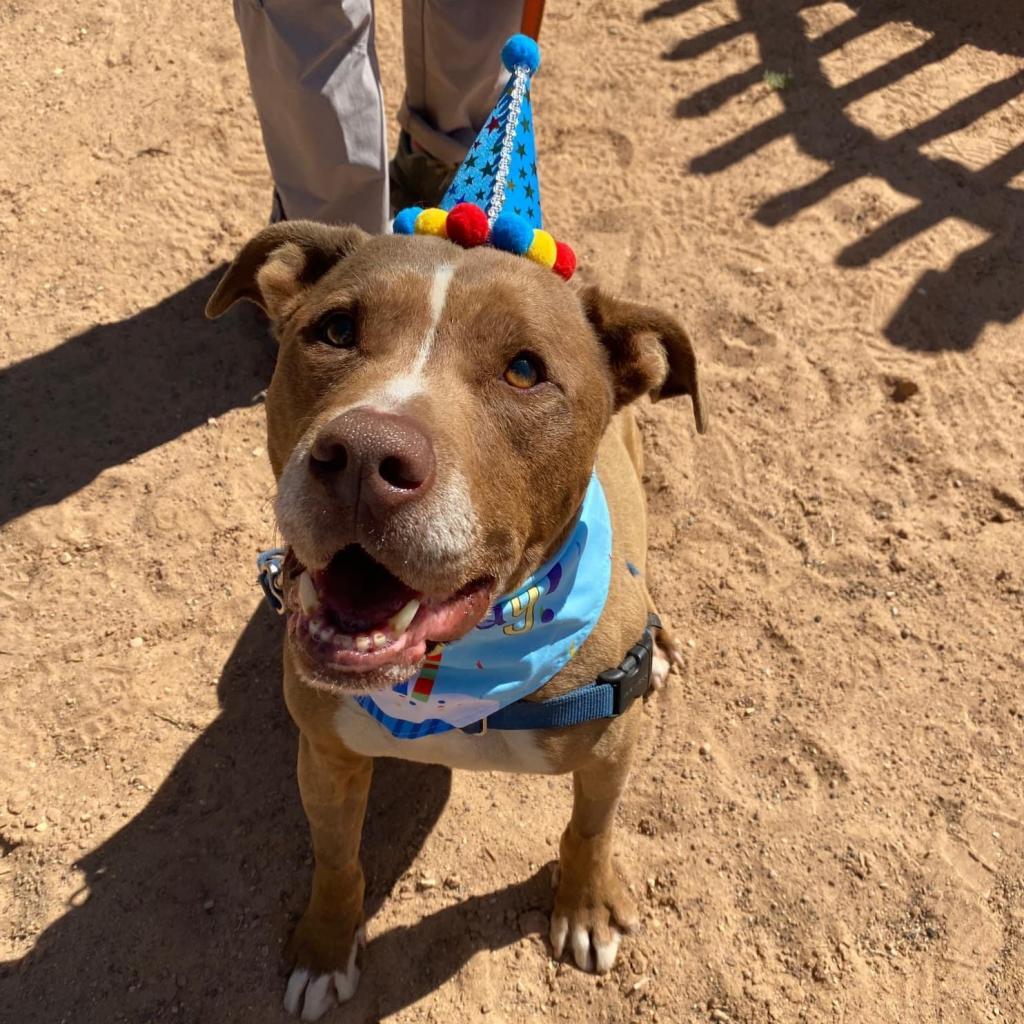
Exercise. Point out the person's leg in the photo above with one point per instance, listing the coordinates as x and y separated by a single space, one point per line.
316 85
453 75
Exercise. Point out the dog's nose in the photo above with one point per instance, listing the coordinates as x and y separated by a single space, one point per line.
377 459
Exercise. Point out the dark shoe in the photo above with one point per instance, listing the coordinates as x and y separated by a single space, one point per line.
417 178
276 209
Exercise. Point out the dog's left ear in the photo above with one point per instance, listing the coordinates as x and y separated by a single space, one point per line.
280 262
648 352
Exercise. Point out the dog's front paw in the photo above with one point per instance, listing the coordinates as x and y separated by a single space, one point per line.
313 986
593 909
668 658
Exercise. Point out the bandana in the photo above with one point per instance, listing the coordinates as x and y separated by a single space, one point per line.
525 639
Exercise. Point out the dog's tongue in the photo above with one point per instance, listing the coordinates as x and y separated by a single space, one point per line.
361 592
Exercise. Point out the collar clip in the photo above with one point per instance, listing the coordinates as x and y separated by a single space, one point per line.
631 678
270 565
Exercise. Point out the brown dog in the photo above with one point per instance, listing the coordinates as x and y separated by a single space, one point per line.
434 420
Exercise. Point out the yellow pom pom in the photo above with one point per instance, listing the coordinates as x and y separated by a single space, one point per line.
432 222
542 249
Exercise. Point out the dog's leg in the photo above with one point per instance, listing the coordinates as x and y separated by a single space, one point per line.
334 784
592 905
668 654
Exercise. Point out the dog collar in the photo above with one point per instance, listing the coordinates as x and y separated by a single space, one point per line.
609 696
534 632
269 565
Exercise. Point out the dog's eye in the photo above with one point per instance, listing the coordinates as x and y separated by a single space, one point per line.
338 330
524 371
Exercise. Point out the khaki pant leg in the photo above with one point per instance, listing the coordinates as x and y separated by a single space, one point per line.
316 85
453 69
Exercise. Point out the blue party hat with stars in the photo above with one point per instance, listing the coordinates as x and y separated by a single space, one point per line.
494 198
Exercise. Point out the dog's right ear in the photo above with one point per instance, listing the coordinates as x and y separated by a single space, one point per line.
280 262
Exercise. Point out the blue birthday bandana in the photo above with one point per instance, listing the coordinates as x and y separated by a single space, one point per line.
526 638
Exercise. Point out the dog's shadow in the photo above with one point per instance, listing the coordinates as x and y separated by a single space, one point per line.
186 908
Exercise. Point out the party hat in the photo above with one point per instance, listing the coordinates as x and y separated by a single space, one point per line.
494 198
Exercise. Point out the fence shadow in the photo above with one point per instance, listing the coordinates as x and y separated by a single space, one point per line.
945 308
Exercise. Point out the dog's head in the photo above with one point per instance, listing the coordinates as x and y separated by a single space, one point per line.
433 423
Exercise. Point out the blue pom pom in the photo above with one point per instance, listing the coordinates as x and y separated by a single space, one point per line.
521 49
511 233
405 222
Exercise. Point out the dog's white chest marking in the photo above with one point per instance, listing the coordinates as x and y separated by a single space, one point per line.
498 751
412 382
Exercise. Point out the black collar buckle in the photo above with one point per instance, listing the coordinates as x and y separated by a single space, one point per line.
631 678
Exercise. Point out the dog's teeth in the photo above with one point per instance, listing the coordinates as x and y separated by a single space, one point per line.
363 644
399 622
344 641
379 641
308 597
320 630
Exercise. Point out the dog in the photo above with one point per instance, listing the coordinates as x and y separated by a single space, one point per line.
434 422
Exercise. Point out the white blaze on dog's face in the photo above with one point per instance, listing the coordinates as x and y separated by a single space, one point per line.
433 422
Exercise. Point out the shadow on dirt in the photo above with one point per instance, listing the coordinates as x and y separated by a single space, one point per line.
120 389
216 869
944 309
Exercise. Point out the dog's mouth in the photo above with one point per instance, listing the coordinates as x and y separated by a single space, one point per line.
362 626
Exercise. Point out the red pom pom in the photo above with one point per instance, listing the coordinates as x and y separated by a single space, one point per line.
565 261
467 225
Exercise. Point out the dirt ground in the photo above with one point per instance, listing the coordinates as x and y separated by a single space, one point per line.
826 823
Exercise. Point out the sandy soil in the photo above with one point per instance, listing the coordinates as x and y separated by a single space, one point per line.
827 821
